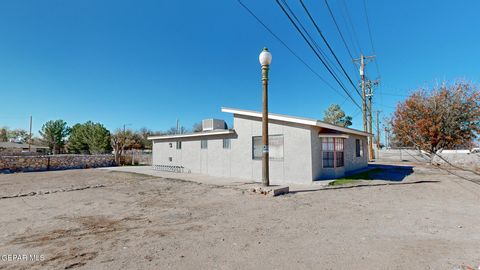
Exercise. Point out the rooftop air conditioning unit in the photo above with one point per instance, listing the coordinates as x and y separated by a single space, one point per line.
213 124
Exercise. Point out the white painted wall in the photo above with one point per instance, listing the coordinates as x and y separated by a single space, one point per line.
295 166
302 157
351 162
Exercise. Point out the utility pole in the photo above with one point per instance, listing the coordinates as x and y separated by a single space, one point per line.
386 138
371 154
364 100
362 61
178 125
378 131
370 86
30 136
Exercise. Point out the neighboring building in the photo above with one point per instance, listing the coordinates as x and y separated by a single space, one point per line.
15 148
301 150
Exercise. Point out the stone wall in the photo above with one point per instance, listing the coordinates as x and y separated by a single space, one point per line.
54 162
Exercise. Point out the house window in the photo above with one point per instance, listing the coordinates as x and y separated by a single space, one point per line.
179 145
257 147
203 144
339 145
226 143
358 148
328 152
275 145
333 152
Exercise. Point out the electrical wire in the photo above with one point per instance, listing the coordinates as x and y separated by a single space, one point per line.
370 34
322 53
316 53
289 49
352 28
341 35
328 45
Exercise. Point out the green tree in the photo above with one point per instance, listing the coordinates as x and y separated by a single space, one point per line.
89 138
76 142
54 133
19 135
3 134
335 115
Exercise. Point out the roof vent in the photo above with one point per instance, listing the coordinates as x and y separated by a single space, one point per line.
213 124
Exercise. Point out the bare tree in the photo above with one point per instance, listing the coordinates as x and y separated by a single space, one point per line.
121 140
197 127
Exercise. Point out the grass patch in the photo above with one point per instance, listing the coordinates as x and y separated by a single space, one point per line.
368 175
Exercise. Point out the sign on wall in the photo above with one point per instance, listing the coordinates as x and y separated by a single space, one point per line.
275 147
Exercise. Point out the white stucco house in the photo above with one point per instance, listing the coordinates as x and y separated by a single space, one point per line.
301 150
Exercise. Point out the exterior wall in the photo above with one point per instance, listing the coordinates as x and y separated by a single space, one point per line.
351 162
302 153
55 162
296 164
213 161
237 161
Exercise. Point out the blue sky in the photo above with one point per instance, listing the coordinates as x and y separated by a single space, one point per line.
147 63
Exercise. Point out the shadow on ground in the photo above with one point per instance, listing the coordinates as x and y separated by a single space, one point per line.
365 185
394 173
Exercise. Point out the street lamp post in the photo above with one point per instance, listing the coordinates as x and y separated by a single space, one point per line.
265 59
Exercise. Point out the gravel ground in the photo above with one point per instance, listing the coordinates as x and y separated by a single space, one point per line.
98 219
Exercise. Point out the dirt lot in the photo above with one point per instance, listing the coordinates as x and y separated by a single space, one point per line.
98 219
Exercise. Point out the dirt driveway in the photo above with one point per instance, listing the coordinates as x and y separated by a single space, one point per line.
98 219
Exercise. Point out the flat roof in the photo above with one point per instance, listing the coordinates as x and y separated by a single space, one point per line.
296 120
193 135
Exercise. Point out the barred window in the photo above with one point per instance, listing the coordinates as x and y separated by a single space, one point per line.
358 148
328 152
340 159
179 145
328 159
203 144
226 143
332 152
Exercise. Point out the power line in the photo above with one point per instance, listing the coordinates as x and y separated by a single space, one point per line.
305 32
370 34
328 62
338 29
395 94
322 53
289 49
340 33
316 53
373 47
354 33
329 47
